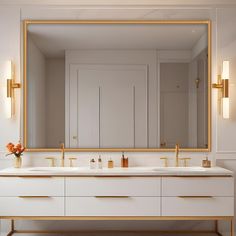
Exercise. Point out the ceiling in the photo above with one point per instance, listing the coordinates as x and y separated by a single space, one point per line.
53 40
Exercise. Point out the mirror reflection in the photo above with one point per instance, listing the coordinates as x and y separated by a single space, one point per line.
117 85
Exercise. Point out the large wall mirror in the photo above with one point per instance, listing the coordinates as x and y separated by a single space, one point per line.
117 85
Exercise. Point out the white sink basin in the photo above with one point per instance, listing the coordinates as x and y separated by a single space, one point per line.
180 169
53 169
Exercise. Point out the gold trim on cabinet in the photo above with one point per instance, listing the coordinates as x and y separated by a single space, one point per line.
215 218
226 218
111 196
189 197
25 27
33 197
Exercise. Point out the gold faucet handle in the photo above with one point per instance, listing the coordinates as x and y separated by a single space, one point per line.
71 159
52 161
185 160
165 159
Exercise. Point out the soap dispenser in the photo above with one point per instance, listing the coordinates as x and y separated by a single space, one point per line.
99 162
206 163
92 163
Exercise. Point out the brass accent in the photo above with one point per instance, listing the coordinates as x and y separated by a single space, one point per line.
33 196
52 161
11 86
62 155
195 196
177 155
164 218
26 23
165 159
185 159
32 176
71 159
215 230
111 196
223 85
197 81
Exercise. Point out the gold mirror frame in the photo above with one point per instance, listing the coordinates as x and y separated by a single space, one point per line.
26 23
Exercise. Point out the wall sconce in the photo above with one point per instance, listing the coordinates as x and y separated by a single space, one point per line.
223 85
11 85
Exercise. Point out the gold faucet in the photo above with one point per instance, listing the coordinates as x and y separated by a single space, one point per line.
177 155
63 155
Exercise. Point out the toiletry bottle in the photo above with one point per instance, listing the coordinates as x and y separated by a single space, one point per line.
206 163
126 162
110 163
99 162
92 163
123 160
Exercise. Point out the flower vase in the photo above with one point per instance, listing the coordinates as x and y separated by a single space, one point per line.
18 162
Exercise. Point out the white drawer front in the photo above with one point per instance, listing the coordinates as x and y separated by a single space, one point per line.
215 206
197 186
16 206
113 186
31 186
132 206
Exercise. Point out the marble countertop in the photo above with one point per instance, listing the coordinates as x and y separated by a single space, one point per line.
131 171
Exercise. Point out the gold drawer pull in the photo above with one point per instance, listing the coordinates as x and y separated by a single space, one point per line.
111 196
195 196
33 196
35 176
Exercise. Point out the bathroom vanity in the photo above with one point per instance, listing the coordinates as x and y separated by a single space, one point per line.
147 193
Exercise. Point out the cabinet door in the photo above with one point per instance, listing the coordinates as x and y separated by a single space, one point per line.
113 186
31 186
193 206
32 206
198 186
112 206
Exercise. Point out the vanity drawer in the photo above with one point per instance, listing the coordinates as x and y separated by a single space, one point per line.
113 186
112 206
31 186
32 206
197 186
193 206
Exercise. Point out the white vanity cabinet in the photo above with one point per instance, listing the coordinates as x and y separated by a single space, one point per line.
84 196
31 196
113 196
197 196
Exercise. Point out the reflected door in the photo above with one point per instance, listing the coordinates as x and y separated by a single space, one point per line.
108 106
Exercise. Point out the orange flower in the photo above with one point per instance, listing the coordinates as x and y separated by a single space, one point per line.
10 147
18 147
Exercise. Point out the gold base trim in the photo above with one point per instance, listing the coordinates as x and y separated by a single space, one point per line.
110 218
215 231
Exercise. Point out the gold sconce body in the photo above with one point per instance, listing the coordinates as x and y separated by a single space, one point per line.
223 85
11 85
